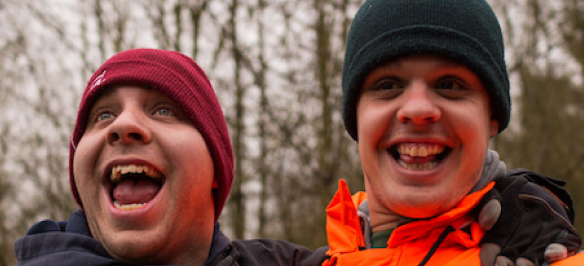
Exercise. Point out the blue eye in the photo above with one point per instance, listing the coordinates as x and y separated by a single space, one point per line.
104 116
164 111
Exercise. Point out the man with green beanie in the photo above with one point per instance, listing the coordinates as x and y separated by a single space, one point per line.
425 87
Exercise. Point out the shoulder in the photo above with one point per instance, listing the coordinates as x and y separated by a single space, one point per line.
77 223
60 243
276 252
61 247
46 226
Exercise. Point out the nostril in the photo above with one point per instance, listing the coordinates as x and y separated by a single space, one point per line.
431 119
114 137
135 136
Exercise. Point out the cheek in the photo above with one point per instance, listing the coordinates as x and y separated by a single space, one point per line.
78 170
372 122
489 124
80 158
473 122
197 177
84 161
80 179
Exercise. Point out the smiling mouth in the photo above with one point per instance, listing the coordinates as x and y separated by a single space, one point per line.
133 186
419 156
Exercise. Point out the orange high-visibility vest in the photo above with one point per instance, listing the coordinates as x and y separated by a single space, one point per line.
411 243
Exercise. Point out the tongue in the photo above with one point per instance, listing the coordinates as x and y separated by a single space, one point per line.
417 160
131 191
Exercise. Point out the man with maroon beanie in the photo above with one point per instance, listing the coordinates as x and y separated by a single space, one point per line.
151 166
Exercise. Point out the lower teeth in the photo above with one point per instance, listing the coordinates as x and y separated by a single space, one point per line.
128 207
418 166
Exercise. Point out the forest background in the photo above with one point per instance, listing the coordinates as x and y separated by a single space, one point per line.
276 67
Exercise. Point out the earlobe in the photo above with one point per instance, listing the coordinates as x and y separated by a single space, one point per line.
494 127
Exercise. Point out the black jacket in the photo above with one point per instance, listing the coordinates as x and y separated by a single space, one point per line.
69 243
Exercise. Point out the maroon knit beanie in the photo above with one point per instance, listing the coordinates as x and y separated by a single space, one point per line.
183 81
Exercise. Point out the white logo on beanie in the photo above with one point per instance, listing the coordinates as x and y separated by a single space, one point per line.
98 80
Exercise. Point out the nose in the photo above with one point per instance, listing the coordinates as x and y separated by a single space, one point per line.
128 128
419 106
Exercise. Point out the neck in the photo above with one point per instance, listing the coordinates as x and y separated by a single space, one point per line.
385 220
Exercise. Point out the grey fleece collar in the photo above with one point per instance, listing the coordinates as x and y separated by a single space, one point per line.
493 169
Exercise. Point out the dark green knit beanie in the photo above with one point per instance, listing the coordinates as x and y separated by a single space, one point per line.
466 31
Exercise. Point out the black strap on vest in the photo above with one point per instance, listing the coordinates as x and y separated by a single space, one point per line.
436 244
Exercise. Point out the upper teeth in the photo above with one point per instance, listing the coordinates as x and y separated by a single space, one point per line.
119 170
419 150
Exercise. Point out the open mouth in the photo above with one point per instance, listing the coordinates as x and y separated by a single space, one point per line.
419 156
133 186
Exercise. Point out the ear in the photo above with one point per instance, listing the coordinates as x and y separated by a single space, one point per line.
494 127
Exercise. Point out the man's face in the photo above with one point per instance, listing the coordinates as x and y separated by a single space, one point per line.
145 179
423 124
